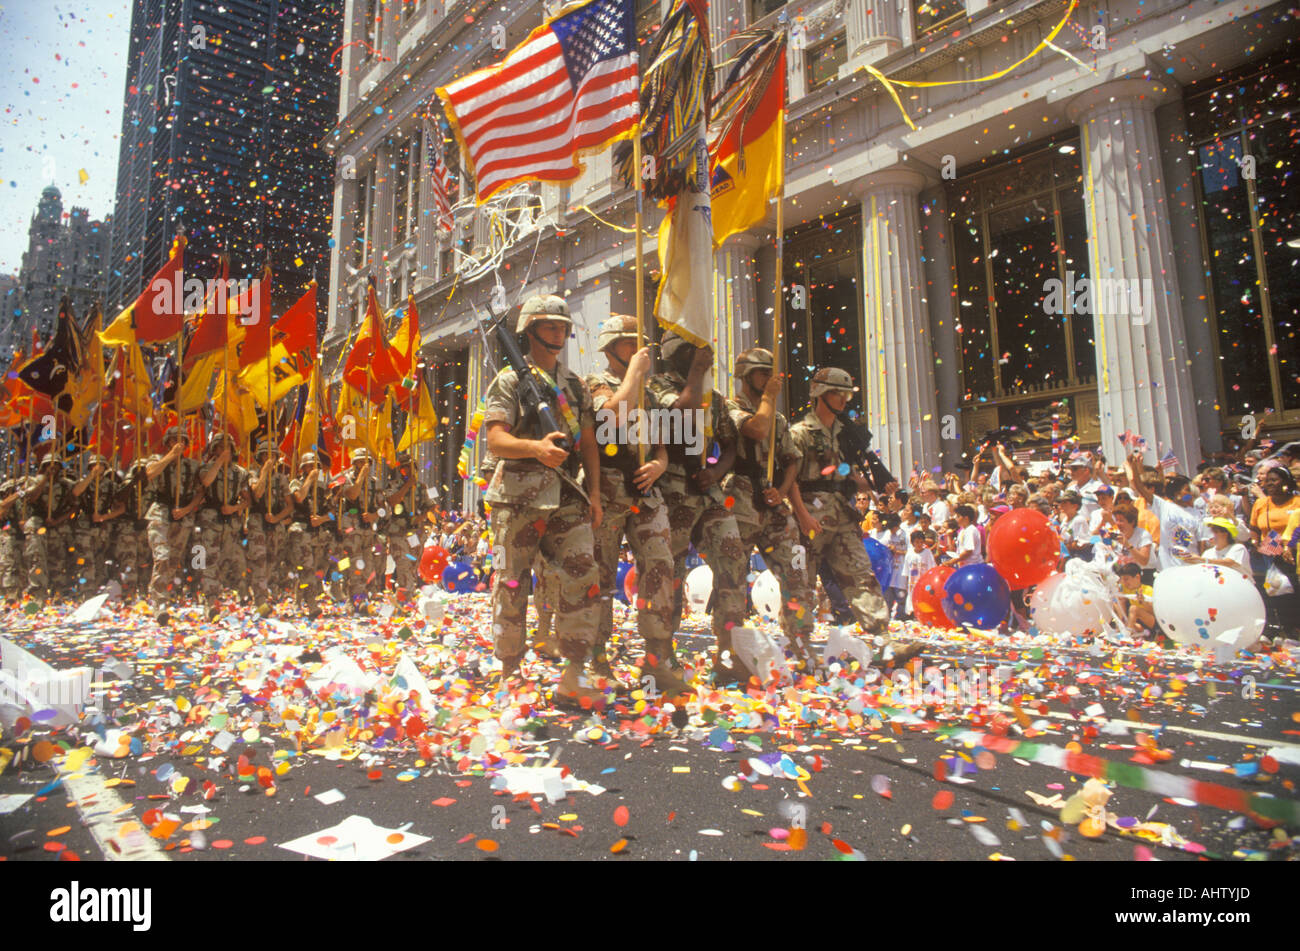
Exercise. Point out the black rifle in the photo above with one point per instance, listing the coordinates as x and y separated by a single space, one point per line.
855 441
533 394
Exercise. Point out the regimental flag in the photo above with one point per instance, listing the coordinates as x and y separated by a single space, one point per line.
685 301
440 183
86 387
256 305
50 372
381 434
290 355
404 349
422 425
159 311
569 89
369 367
748 135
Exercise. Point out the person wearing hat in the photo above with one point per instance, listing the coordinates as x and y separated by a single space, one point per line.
1224 549
267 527
407 501
760 508
1083 482
632 505
697 509
827 520
309 538
12 573
44 499
171 476
536 507
359 496
217 544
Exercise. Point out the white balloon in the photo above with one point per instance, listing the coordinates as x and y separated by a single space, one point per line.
1073 601
699 585
1196 604
766 595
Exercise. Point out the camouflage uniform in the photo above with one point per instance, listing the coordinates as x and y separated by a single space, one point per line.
402 530
169 539
221 535
308 546
644 520
534 511
44 546
840 540
358 539
11 542
268 542
773 530
129 534
94 539
701 518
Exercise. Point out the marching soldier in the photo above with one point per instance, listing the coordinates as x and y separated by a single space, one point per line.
825 512
759 507
407 504
696 509
126 527
44 503
309 535
267 534
357 495
11 540
632 505
169 524
94 556
219 522
537 505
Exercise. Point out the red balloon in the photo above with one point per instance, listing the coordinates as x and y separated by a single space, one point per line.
433 560
629 585
927 597
1023 548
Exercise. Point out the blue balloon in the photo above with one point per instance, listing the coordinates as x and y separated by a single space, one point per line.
623 568
460 577
976 595
882 560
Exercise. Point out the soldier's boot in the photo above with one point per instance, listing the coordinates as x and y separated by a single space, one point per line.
600 664
569 691
659 663
897 654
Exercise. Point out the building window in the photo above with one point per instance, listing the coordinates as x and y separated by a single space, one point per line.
400 173
1019 232
374 22
761 8
822 62
936 15
648 18
1245 143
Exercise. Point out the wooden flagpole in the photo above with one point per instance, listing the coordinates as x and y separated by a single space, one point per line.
778 308
640 282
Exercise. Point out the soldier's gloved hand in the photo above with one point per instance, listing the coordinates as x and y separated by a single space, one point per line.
550 454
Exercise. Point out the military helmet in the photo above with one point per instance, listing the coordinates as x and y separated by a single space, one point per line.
219 438
755 358
49 459
264 447
830 379
174 432
616 327
678 352
403 458
543 307
97 460
306 459
360 455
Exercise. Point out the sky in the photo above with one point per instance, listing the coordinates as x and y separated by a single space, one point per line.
61 90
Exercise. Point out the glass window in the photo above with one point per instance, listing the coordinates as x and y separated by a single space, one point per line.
1245 145
1019 230
761 8
822 62
400 175
936 14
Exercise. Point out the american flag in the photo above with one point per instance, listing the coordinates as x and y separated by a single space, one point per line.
571 87
1168 462
439 174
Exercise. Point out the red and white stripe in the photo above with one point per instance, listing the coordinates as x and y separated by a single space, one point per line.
439 177
522 119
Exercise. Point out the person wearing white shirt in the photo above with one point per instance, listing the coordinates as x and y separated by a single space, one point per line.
1082 482
919 560
935 505
970 546
894 538
1074 526
1225 550
1180 523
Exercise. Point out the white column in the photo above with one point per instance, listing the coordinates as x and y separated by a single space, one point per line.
345 222
872 31
941 279
899 392
1142 359
735 303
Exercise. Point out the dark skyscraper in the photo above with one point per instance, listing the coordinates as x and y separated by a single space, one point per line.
225 102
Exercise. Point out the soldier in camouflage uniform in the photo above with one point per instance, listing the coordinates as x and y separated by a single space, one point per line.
44 511
697 511
95 559
359 495
632 505
407 504
536 505
11 540
309 534
268 538
127 530
826 514
218 528
759 506
169 525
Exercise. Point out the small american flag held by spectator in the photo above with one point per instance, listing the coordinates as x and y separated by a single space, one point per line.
1168 462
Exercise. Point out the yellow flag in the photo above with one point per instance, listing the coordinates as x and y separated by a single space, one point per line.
381 434
422 425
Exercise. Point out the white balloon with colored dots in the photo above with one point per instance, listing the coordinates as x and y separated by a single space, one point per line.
699 586
766 595
1199 604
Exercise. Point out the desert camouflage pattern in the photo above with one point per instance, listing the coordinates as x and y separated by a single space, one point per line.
224 564
169 539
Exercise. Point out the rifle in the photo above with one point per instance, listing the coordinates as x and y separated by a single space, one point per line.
855 440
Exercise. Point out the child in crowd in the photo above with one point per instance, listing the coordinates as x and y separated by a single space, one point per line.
919 560
1134 605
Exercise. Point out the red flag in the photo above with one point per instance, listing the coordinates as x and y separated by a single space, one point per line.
256 302
371 359
159 311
